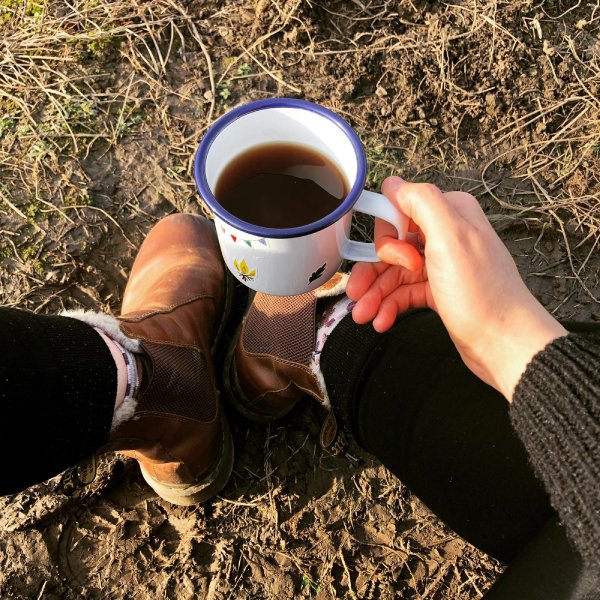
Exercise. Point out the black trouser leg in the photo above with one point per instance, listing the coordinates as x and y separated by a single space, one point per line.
409 400
57 391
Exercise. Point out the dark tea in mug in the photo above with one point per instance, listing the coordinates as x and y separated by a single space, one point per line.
281 185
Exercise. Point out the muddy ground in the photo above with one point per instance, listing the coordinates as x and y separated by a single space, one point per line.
102 104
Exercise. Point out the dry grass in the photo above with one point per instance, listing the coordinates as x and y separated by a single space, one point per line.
562 164
76 78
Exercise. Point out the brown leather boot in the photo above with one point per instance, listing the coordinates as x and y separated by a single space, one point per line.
176 304
267 369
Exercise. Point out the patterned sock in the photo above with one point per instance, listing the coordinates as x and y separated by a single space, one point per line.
128 380
331 437
329 319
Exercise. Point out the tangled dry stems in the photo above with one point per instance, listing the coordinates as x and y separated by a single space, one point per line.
59 100
62 108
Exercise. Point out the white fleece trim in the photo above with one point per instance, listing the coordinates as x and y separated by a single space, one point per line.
108 324
123 413
316 371
337 288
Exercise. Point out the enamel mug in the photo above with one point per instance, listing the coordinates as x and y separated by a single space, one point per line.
285 262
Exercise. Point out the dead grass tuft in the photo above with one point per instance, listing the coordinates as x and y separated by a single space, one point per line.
77 79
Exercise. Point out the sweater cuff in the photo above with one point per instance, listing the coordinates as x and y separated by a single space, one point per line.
556 413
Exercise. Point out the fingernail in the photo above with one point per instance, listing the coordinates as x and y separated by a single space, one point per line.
393 183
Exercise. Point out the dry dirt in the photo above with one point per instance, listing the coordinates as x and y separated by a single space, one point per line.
102 104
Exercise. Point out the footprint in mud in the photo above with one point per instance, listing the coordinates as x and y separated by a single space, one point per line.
26 549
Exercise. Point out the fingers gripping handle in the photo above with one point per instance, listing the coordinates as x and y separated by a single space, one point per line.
379 206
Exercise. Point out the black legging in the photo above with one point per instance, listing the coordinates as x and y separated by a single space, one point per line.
406 396
409 400
58 385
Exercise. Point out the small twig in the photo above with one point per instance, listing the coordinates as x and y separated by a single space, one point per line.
238 503
20 213
41 594
122 111
347 571
271 73
196 35
111 219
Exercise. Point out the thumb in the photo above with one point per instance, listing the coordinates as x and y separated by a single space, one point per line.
422 203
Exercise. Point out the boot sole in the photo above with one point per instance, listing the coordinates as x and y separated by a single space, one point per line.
204 489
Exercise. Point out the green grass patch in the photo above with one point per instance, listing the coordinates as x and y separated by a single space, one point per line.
11 8
7 124
381 163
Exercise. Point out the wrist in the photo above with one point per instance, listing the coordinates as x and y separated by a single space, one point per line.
530 331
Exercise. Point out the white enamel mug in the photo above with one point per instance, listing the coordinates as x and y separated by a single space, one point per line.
285 262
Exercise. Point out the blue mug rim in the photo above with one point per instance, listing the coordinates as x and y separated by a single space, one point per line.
269 232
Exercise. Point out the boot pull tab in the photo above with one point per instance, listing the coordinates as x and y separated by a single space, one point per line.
79 476
331 437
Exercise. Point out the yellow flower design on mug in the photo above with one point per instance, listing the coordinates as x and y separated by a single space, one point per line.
242 268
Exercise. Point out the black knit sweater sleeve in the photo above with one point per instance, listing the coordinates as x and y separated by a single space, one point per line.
556 413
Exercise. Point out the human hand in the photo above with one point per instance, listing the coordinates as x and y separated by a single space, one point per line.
465 274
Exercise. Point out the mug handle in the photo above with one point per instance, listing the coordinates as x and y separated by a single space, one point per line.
379 206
